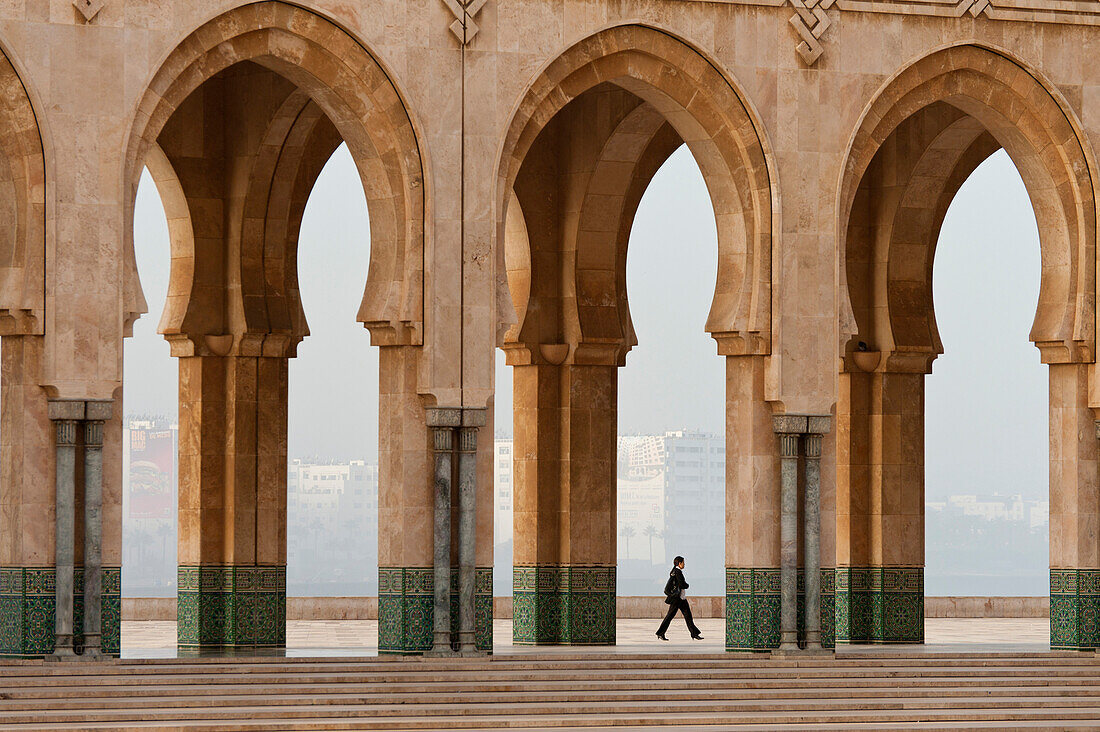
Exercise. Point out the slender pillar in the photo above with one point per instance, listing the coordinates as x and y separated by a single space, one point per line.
97 413
472 420
812 530
65 415
442 423
788 428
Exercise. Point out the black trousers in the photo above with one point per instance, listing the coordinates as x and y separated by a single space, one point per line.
681 605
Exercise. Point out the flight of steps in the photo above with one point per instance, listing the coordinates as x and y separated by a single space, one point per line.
583 690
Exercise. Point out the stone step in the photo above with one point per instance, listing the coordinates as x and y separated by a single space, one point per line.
300 717
826 688
539 703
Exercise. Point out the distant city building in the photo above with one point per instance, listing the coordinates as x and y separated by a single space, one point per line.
149 505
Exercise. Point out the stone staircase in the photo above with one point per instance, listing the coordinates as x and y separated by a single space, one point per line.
572 690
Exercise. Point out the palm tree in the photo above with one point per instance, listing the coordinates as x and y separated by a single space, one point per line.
650 531
626 532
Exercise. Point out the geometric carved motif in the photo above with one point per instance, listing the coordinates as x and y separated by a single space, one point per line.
558 604
464 27
1075 609
88 8
228 606
753 608
406 609
880 605
810 22
27 605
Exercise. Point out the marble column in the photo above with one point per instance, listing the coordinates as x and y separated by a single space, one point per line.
93 526
442 423
816 427
65 414
788 428
472 420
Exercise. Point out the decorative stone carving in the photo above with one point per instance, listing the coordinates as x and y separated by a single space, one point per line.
811 21
88 8
464 27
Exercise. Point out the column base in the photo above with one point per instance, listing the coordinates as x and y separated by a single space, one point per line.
753 603
231 609
405 609
1075 609
28 605
561 604
879 605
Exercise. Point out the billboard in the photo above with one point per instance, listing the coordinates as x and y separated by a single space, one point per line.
152 474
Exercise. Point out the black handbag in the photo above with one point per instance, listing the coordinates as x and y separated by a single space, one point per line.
672 590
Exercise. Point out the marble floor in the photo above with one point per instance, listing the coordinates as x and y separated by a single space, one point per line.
156 639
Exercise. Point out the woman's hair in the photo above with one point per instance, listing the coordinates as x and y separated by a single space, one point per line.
676 561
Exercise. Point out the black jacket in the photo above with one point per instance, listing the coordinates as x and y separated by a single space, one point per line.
676 579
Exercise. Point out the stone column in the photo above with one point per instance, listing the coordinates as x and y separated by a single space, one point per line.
27 518
752 510
816 427
97 413
442 423
1074 511
232 503
788 428
65 415
472 420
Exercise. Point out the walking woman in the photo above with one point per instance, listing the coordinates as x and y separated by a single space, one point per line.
676 599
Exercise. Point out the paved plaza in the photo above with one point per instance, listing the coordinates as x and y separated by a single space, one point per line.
156 639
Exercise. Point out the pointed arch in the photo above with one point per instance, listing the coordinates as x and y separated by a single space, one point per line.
358 96
22 202
710 114
986 99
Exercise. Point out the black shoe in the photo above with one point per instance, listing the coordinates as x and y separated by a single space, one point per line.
697 637
661 637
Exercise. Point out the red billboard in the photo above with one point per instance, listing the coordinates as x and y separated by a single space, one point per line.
152 474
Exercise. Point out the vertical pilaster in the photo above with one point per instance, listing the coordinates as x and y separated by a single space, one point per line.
812 530
96 414
788 429
66 416
472 421
442 423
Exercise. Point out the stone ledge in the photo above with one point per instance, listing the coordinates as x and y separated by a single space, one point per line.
366 608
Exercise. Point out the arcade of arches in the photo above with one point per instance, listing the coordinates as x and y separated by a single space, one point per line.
503 148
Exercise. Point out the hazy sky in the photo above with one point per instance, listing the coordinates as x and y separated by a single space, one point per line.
986 399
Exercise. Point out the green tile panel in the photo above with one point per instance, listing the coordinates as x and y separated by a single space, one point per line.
555 604
753 605
406 609
1075 609
879 605
27 605
231 606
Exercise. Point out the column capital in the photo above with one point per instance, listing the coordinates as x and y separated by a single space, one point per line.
67 410
812 441
789 424
448 417
818 424
93 433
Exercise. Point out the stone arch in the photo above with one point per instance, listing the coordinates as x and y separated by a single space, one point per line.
708 112
357 95
917 142
22 202
976 93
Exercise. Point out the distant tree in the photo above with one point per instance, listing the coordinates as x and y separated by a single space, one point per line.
626 532
650 531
